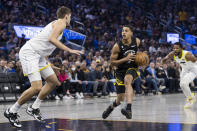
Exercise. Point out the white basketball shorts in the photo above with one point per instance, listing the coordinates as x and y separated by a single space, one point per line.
188 75
34 66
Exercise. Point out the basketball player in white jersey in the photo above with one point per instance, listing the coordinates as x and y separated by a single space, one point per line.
33 59
188 64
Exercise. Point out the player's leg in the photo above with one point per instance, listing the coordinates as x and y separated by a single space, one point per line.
29 62
185 79
51 82
110 108
129 78
120 88
11 113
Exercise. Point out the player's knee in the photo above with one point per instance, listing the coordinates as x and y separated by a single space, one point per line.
128 80
58 83
36 86
54 83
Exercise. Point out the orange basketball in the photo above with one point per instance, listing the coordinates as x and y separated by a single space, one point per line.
141 59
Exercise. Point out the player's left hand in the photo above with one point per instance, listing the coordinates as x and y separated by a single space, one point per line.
55 67
77 52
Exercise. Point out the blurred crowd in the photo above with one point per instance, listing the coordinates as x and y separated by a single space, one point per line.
91 73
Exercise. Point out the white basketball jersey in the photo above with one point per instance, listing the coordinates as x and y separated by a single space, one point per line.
186 65
41 43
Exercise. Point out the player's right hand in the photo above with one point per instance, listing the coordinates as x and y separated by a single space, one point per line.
130 57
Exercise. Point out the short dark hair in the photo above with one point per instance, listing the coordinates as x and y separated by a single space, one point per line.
98 65
62 11
179 44
129 26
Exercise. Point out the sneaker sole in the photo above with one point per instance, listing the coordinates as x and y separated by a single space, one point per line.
103 116
34 117
125 114
5 114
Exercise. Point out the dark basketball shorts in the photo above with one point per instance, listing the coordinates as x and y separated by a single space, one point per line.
119 75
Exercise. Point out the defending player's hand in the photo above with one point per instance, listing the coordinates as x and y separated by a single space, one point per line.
77 52
130 57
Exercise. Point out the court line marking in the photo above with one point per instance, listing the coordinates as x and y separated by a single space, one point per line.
142 121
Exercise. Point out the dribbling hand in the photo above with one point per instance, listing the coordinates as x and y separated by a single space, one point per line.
130 57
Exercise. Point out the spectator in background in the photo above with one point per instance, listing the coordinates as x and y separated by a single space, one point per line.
4 65
96 76
10 67
143 80
107 74
182 15
153 78
160 75
24 81
82 77
173 78
93 66
75 82
65 63
97 56
88 60
1 67
11 55
152 49
65 84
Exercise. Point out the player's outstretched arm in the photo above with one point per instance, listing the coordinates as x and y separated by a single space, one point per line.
168 57
114 56
190 57
58 28
138 42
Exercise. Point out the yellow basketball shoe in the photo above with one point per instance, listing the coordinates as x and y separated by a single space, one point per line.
190 102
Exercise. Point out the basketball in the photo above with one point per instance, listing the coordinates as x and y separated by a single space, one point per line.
142 59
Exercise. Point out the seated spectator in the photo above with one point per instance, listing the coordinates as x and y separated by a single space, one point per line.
162 78
173 78
152 78
142 81
107 74
82 76
75 82
10 67
3 65
95 76
24 81
65 86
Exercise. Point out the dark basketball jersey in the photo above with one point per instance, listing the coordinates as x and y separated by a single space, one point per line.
124 51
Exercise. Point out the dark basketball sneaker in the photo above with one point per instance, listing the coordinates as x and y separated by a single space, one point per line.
127 113
35 113
13 118
107 112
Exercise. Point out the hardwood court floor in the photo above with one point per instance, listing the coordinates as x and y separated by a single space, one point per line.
150 113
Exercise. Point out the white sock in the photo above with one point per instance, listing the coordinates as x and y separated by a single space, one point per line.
36 103
15 108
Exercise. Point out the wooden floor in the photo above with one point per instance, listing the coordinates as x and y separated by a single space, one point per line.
150 113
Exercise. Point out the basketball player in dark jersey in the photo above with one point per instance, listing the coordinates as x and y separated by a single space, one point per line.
122 57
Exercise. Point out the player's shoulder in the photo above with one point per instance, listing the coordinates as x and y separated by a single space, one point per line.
116 47
137 41
59 23
187 52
